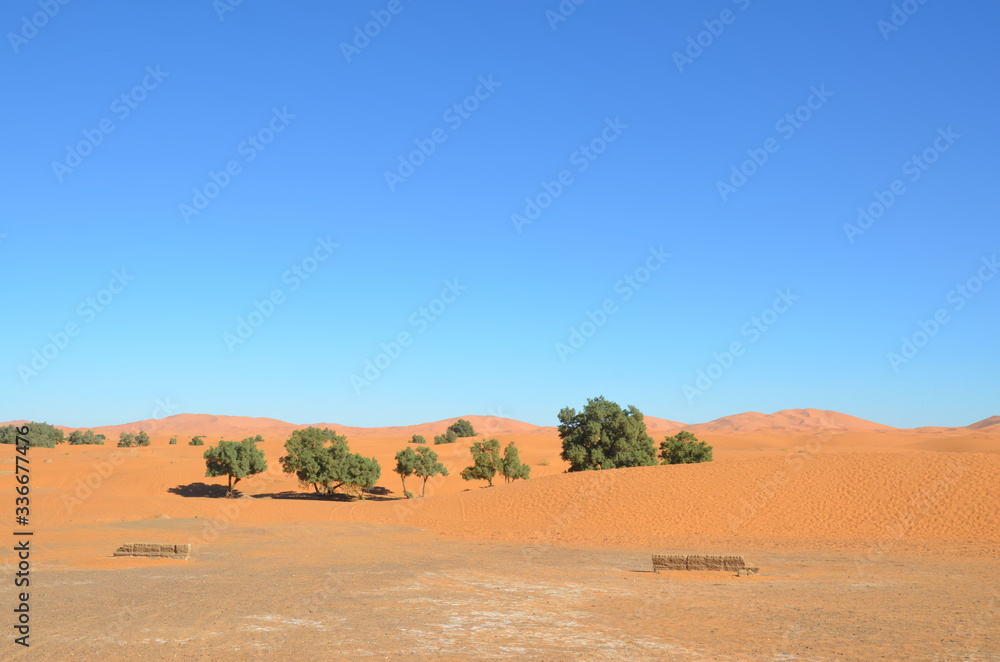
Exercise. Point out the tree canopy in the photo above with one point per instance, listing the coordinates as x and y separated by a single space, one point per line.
462 428
142 439
511 466
604 436
406 464
41 435
449 437
427 466
486 461
235 459
684 449
323 459
86 438
126 440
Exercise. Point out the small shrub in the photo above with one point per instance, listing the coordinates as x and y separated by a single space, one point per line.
417 439
173 441
448 437
684 449
462 428
196 441
544 463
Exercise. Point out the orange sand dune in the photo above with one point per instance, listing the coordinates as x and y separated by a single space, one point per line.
873 502
792 420
991 422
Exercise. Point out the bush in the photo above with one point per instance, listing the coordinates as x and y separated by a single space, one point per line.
235 459
406 463
196 441
173 441
40 435
408 495
126 440
428 466
142 439
462 428
449 437
684 449
603 436
86 438
323 459
486 461
417 439
511 466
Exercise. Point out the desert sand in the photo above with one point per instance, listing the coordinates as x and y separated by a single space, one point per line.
873 542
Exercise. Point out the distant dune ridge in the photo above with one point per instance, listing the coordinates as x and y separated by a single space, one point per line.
795 421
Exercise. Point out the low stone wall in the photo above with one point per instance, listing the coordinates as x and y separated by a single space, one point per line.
155 550
735 564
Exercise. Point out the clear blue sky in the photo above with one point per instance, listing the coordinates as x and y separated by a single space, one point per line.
551 87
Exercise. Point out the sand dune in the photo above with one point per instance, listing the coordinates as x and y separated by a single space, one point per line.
789 420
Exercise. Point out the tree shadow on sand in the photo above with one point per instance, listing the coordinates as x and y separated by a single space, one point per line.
201 490
377 493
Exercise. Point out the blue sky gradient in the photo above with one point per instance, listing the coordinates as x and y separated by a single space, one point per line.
228 77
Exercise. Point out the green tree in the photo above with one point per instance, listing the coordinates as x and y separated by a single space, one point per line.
358 474
417 439
173 441
449 437
511 466
323 459
486 461
86 438
462 428
406 465
126 440
196 441
603 436
235 459
428 466
142 439
684 449
40 435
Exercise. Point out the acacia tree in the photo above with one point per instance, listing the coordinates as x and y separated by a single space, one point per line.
40 435
511 466
86 438
428 466
142 439
486 461
449 437
406 465
323 459
235 459
126 440
462 428
603 436
684 449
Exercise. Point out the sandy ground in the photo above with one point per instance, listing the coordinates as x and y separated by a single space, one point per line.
874 544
